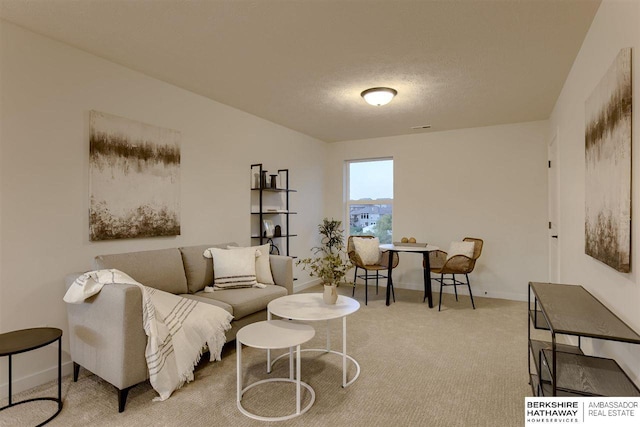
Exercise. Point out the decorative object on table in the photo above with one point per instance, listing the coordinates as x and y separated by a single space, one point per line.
364 253
269 228
332 264
407 240
134 175
608 166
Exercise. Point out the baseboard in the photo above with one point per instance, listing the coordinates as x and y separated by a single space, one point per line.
30 381
302 286
462 291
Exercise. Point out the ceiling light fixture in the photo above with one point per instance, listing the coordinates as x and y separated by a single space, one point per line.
379 95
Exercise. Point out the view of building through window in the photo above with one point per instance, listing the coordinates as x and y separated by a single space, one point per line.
370 201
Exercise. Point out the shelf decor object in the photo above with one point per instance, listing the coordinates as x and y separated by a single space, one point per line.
270 208
564 370
608 166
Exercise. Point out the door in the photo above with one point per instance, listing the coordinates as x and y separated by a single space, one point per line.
552 176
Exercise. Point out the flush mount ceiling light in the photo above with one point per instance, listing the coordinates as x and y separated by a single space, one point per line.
379 95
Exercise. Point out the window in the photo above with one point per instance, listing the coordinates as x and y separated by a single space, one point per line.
370 198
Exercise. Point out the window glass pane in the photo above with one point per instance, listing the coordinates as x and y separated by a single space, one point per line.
371 180
371 220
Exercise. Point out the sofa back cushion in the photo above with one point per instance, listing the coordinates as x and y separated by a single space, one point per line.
161 269
198 269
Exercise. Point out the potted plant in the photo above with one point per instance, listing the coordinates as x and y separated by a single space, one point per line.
332 264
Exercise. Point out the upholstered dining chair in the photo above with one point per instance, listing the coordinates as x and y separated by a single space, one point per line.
461 259
364 253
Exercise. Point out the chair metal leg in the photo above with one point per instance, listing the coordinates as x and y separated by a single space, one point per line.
470 294
377 276
455 285
441 286
76 371
393 293
355 276
366 286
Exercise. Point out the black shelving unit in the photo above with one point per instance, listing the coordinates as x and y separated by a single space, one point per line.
564 370
273 195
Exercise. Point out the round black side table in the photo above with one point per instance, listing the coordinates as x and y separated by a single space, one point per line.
24 340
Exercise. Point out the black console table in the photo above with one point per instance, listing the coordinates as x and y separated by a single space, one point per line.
12 343
564 370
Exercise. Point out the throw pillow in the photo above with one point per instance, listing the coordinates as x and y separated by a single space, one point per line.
263 266
233 269
367 249
461 248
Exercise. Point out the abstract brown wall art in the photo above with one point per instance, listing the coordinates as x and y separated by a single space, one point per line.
608 166
134 179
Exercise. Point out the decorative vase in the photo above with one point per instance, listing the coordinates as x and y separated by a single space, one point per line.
330 295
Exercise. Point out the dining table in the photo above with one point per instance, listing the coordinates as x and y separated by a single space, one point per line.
421 248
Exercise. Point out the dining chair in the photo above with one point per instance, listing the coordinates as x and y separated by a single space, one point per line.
365 254
461 259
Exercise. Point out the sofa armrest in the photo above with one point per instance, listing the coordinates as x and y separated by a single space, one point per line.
282 271
106 334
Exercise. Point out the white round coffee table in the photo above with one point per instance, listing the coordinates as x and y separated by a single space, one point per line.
274 334
311 307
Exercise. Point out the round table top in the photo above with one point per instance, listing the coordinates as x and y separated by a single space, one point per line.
400 248
311 306
27 339
274 334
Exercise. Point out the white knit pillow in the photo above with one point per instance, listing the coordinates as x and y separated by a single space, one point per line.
263 265
461 248
233 269
367 249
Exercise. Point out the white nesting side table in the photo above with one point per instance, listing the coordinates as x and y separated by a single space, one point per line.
311 307
271 335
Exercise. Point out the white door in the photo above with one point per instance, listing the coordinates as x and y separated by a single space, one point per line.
554 273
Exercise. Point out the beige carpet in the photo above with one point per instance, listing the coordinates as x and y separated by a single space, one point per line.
420 367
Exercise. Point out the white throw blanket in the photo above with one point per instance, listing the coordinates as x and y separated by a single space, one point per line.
177 328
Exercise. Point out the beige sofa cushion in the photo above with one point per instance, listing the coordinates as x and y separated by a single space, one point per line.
144 267
246 301
200 298
197 268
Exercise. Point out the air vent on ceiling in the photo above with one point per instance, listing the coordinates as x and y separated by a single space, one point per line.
421 127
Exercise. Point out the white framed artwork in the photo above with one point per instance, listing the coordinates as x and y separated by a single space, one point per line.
134 179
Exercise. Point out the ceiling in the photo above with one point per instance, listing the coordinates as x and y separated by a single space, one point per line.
303 63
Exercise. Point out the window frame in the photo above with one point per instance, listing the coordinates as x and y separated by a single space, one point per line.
347 192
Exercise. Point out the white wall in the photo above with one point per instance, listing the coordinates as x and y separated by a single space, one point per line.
615 26
47 89
487 182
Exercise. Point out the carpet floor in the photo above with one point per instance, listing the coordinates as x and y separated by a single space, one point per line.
420 367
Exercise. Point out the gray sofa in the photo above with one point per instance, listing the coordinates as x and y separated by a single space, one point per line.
106 333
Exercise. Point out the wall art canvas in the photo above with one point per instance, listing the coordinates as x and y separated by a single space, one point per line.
608 166
134 179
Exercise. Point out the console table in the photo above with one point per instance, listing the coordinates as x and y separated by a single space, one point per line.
564 370
16 342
